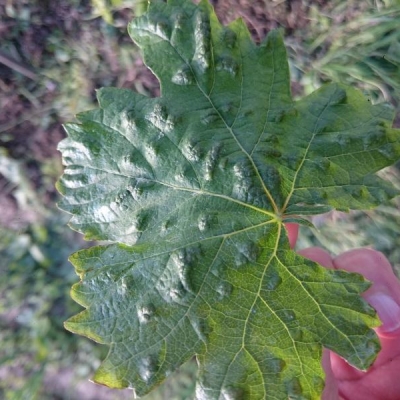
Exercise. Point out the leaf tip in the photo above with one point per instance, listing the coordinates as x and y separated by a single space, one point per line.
108 375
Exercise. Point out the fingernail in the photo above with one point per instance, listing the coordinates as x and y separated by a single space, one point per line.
388 311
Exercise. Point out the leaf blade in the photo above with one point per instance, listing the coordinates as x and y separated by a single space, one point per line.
193 187
267 317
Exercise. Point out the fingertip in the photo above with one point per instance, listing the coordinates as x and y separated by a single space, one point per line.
388 311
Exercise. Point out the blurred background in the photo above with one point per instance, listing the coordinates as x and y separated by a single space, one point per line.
53 55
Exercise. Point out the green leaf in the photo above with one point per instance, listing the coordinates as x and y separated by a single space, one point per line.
192 189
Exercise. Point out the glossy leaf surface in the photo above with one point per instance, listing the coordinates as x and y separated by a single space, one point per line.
193 188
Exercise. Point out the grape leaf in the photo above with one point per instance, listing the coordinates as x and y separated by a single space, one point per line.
192 189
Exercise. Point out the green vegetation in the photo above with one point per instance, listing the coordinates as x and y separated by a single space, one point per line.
363 49
52 57
192 189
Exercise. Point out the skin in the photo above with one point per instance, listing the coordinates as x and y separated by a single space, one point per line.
382 380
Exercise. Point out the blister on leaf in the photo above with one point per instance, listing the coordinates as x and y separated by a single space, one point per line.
192 189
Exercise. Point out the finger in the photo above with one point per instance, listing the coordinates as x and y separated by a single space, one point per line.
384 294
318 255
292 232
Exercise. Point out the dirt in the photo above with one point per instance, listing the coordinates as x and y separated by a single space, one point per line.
262 16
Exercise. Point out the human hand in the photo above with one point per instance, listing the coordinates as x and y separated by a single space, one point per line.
382 380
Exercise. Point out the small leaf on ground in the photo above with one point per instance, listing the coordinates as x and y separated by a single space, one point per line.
192 190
